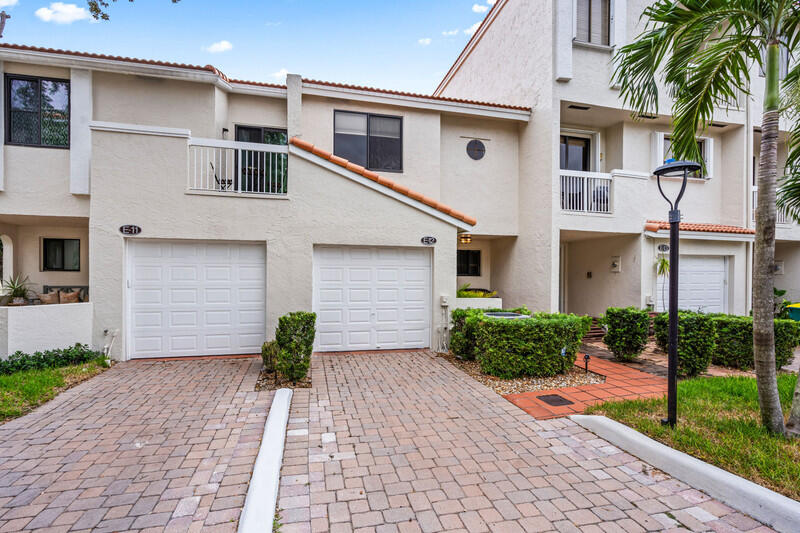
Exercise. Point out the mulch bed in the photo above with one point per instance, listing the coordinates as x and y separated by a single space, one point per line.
273 381
573 378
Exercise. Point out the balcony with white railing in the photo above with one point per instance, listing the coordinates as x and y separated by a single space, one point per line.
586 192
237 168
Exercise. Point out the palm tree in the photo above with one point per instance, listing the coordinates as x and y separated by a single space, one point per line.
702 52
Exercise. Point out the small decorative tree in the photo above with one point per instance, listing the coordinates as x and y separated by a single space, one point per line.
295 337
662 271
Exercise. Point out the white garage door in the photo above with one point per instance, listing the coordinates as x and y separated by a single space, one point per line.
703 285
372 298
195 298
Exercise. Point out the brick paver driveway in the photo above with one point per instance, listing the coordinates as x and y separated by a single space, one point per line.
146 445
407 442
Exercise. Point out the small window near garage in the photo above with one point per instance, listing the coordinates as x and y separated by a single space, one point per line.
37 111
372 141
469 263
593 21
61 254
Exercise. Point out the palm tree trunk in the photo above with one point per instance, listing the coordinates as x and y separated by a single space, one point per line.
764 254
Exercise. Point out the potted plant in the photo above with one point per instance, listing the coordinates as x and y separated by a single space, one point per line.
16 288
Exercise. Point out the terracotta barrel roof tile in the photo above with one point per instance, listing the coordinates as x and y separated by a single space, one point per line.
386 182
655 225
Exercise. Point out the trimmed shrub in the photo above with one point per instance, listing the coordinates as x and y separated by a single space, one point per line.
735 341
628 330
696 340
463 335
269 355
295 338
74 355
533 347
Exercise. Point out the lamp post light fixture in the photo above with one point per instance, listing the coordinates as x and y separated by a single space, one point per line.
674 169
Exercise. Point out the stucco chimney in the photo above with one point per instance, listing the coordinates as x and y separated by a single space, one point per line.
294 105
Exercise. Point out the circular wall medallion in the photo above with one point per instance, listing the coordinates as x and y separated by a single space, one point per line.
476 149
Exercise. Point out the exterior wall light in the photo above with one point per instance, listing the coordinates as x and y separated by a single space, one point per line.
465 238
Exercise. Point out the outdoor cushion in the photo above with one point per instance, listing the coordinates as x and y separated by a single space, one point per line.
70 297
50 298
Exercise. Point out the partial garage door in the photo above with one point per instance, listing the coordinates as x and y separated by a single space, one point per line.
372 298
196 298
703 285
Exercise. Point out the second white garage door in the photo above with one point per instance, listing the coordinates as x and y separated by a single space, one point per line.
703 285
196 298
372 298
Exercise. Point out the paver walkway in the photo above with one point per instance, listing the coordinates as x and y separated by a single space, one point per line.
622 382
407 442
144 446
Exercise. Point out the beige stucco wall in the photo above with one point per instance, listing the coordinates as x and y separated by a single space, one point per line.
487 188
246 110
155 101
789 253
605 288
28 255
323 208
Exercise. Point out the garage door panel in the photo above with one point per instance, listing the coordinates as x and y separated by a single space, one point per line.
193 298
362 295
702 285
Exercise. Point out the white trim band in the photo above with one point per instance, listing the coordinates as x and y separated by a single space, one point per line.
118 127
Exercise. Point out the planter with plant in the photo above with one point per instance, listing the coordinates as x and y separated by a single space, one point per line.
464 291
17 289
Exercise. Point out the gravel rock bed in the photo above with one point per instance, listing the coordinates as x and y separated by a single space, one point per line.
575 377
274 381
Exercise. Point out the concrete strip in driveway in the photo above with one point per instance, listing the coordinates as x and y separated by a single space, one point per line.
146 445
407 442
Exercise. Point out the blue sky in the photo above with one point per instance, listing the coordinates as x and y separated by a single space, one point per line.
393 44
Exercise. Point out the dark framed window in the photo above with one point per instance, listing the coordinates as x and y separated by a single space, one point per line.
262 172
469 263
372 141
574 153
61 254
37 111
593 21
669 156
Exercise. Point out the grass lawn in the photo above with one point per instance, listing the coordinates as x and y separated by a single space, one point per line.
718 422
23 391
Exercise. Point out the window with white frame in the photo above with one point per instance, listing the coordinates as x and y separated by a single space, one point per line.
662 153
593 21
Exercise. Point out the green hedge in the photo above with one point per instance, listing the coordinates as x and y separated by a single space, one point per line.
735 341
295 337
74 355
463 335
269 355
696 340
532 347
628 329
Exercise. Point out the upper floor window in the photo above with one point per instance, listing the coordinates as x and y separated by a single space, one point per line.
574 153
701 145
263 135
372 141
593 21
37 111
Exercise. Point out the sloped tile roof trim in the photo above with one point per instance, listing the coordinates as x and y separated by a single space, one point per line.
207 68
413 95
655 225
405 191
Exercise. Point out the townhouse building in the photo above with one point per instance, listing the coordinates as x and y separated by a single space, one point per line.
191 210
591 220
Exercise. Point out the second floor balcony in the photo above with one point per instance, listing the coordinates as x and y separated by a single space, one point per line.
586 192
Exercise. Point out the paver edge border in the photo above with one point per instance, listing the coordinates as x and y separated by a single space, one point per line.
258 513
769 507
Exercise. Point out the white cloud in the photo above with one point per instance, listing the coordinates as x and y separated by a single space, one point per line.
8 3
62 13
272 23
491 2
219 46
450 33
281 74
472 29
425 41
478 8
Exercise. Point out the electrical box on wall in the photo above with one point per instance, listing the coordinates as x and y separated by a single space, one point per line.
443 300
616 263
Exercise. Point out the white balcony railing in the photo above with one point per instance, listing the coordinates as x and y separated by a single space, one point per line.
586 192
238 167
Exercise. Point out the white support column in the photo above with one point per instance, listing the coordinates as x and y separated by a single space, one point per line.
80 137
619 26
563 42
294 105
2 129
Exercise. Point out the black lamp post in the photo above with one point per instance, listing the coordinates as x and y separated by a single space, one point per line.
674 169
